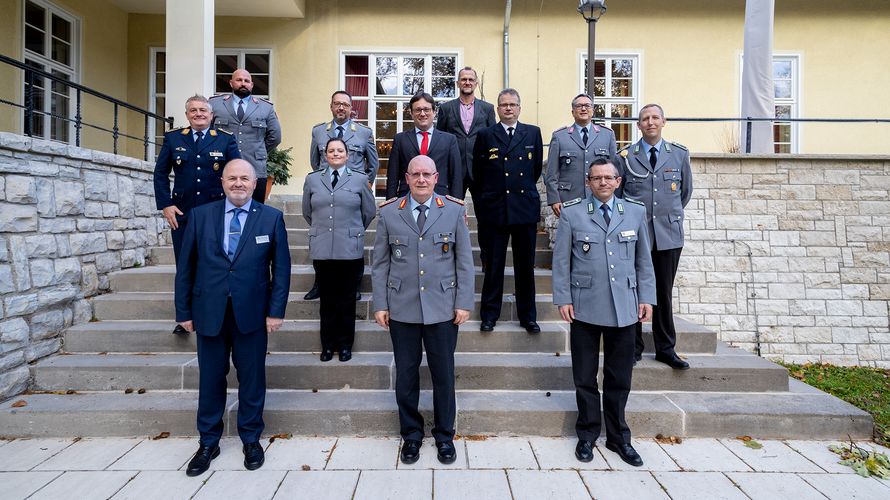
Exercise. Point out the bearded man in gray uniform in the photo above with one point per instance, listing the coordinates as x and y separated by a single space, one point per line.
573 150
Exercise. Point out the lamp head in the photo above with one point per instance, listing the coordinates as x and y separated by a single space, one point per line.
592 10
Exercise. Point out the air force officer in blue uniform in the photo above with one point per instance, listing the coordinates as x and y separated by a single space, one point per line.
232 285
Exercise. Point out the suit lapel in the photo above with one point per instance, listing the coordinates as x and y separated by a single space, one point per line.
597 217
248 229
406 215
434 213
617 217
478 116
326 178
230 107
347 133
662 157
219 217
411 136
642 156
575 134
254 104
502 136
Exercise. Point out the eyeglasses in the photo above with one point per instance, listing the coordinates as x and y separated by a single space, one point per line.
582 106
508 105
422 111
341 105
424 175
601 178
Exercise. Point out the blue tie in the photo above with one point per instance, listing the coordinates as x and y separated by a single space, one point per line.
234 232
605 209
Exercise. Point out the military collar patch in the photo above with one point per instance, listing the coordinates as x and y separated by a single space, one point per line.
620 208
403 203
212 132
186 131
439 202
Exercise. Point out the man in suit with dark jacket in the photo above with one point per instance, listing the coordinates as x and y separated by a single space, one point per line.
507 162
232 286
424 139
464 117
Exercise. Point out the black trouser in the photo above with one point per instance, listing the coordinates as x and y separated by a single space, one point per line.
493 240
336 288
176 235
409 340
248 352
664 334
617 372
259 193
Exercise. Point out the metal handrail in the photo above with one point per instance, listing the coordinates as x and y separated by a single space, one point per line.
31 73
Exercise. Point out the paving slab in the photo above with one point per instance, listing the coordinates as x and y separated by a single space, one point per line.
23 484
354 453
692 485
620 485
774 486
160 485
90 454
161 454
428 454
85 485
775 456
466 484
394 485
705 455
846 486
328 484
818 453
25 454
501 453
559 453
547 485
243 485
299 452
653 455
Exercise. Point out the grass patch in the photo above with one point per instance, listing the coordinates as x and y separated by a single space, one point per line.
866 388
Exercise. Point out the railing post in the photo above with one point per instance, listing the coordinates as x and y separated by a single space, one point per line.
77 121
29 103
748 137
145 140
115 129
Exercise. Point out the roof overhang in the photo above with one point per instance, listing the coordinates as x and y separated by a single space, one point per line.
237 8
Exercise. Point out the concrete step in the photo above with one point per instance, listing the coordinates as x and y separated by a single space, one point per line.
301 237
797 414
303 336
296 221
161 279
299 255
473 371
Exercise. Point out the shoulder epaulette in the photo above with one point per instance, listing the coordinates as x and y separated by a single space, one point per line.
571 202
214 96
267 100
177 129
316 171
387 202
635 202
560 129
318 124
185 130
684 148
456 200
223 131
362 125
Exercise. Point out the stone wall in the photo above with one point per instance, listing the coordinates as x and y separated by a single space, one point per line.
790 256
68 217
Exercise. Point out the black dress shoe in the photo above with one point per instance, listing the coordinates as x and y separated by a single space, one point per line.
410 451
313 292
345 354
626 452
446 452
254 458
179 330
673 361
531 327
486 326
584 450
201 461
326 355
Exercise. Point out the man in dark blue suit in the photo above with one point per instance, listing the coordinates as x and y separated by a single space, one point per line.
232 285
507 162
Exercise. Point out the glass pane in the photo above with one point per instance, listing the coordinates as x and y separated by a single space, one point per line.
599 68
413 65
622 68
35 15
385 130
387 66
357 86
160 104
61 52
222 83
623 133
160 61
387 85
599 87
386 111
356 65
621 111
783 111
160 83
35 40
226 65
599 110
256 63
782 132
61 29
360 110
412 85
621 87
781 69
260 84
383 150
443 66
783 89
59 125
406 113
783 148
443 87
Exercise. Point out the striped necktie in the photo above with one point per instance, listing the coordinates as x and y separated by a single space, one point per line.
234 232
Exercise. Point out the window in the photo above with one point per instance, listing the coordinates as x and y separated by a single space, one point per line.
50 45
616 93
786 99
396 77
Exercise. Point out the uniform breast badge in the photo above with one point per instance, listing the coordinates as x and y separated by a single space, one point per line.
216 166
585 247
445 248
673 186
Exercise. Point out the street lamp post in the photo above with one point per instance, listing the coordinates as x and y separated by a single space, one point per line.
591 10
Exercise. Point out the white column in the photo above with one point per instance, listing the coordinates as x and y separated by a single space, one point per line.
757 75
190 59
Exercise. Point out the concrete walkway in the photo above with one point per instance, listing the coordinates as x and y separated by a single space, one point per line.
490 469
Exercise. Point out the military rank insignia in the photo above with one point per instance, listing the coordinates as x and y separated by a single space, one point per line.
494 156
673 186
439 202
620 208
529 155
585 247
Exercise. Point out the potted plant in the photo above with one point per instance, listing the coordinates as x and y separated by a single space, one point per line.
278 168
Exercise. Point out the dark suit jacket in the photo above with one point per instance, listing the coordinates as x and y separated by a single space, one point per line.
449 121
443 150
258 277
506 174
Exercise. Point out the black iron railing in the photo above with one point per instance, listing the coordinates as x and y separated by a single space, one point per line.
32 74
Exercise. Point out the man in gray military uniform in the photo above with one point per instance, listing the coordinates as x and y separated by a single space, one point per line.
422 276
572 151
359 139
360 145
657 174
253 122
604 285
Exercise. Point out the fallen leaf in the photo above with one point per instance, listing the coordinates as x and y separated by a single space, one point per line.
70 391
163 435
20 403
128 390
141 391
283 435
306 467
754 445
743 438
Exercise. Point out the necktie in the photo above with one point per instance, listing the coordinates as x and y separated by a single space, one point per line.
421 216
339 132
198 137
240 111
335 179
425 143
234 232
605 210
510 132
584 135
653 159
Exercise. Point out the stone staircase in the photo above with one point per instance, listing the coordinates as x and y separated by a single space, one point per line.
125 374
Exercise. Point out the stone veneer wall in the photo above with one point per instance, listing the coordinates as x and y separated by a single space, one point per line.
790 255
68 217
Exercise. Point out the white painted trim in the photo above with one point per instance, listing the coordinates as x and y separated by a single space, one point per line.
637 82
797 89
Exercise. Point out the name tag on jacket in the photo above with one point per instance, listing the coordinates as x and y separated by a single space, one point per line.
262 239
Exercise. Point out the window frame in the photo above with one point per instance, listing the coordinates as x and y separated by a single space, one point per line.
636 56
795 101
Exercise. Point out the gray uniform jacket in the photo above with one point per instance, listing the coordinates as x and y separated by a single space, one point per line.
337 217
256 135
604 272
569 160
359 141
422 277
664 191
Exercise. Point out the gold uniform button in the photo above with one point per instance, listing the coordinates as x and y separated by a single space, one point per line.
507 174
421 272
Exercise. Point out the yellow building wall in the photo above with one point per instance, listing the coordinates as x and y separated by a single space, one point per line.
11 41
